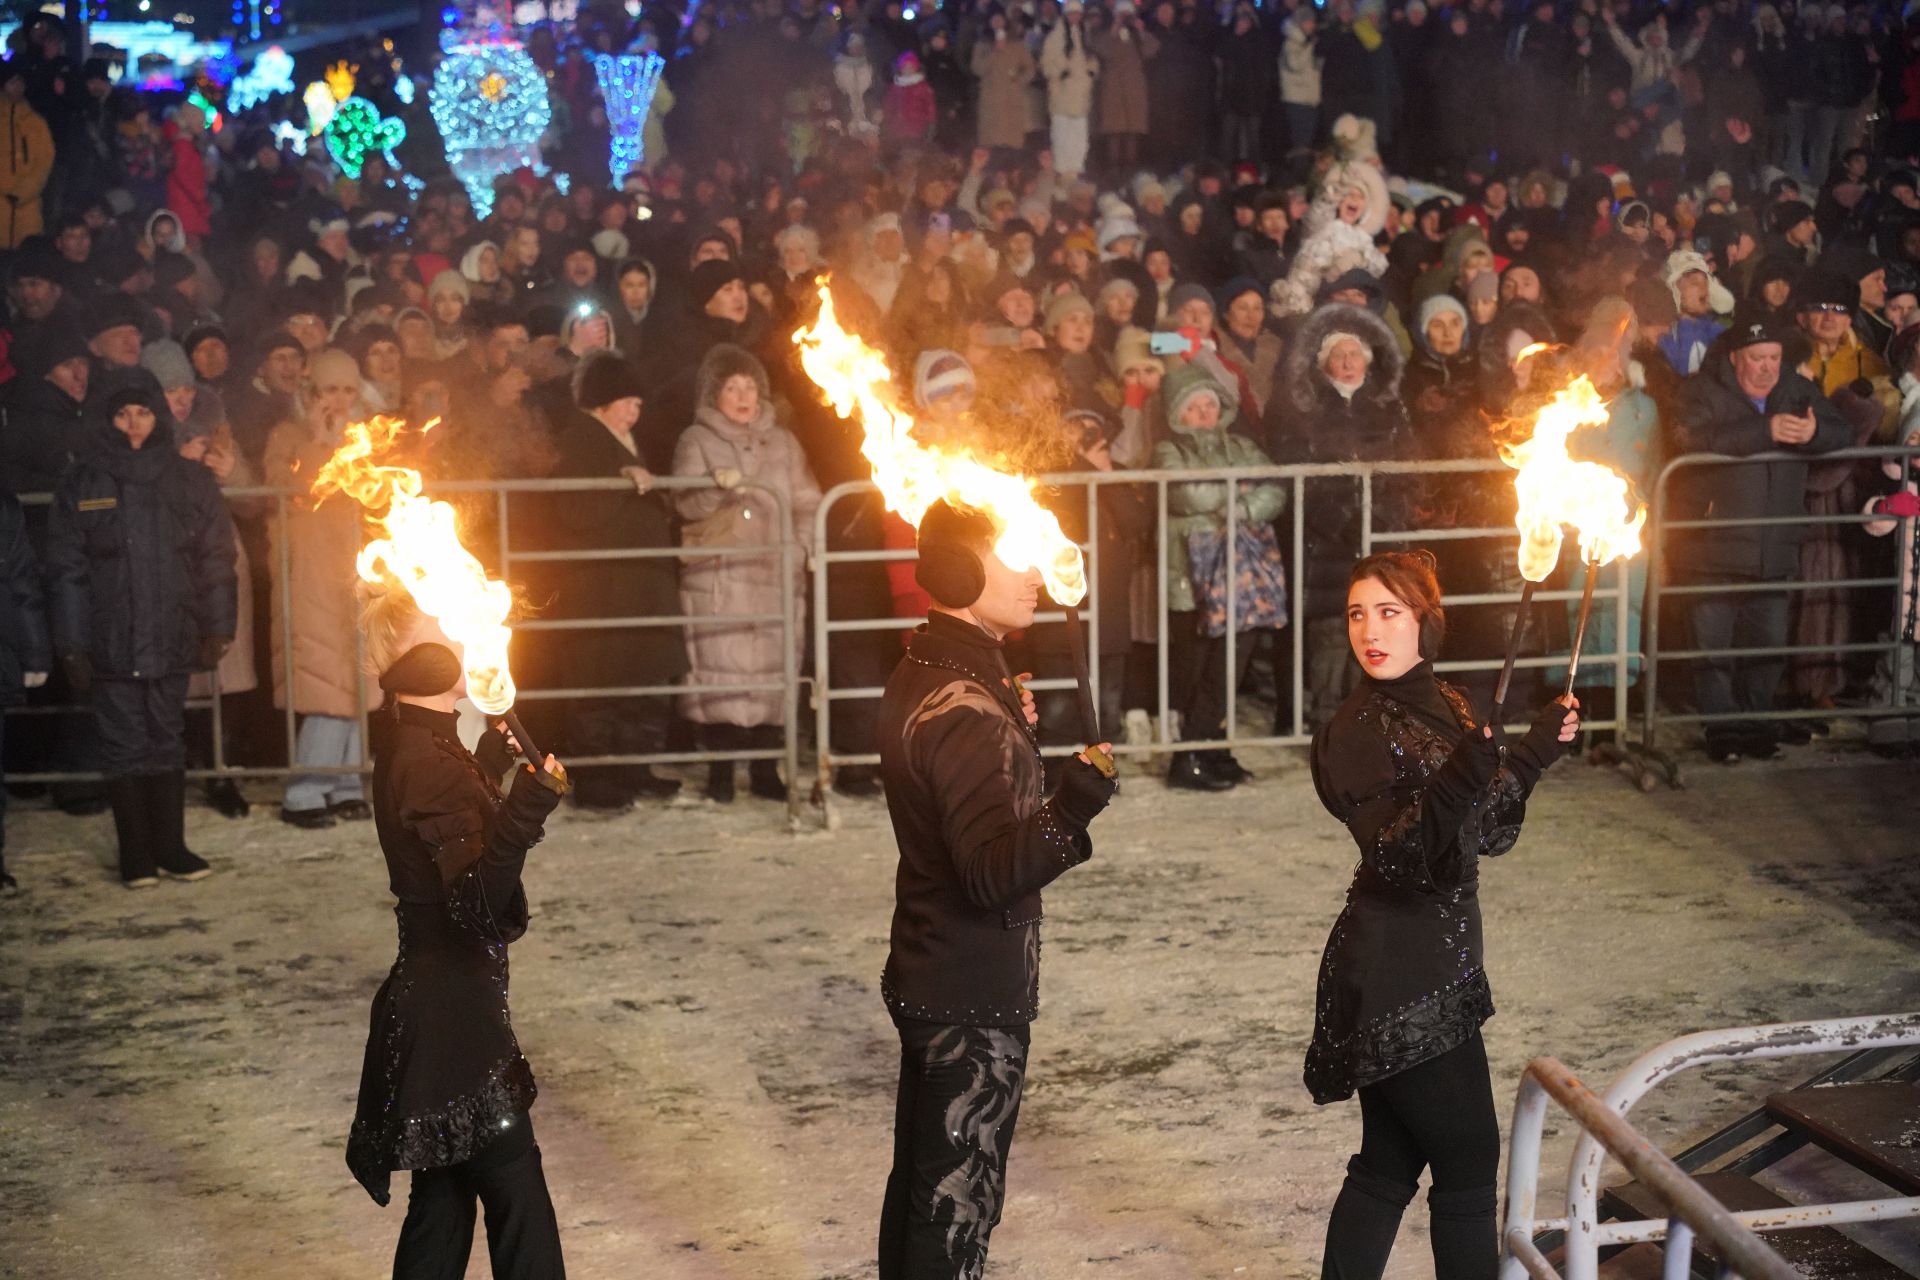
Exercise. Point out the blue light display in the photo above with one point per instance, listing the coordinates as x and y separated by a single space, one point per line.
627 82
490 102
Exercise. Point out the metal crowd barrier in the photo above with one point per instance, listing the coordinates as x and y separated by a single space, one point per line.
1605 1130
506 556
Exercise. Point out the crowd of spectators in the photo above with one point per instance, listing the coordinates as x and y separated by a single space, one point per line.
1089 237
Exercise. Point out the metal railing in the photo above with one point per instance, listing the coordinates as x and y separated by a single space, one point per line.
505 557
1896 647
1605 1131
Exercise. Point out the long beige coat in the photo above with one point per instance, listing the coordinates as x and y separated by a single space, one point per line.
1004 69
1123 80
321 543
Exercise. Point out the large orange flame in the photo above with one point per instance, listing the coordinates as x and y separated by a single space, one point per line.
912 476
421 552
1555 489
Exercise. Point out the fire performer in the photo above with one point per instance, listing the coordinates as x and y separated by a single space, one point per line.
444 1090
1426 793
963 776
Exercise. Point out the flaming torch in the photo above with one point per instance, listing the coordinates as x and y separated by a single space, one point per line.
1555 490
420 551
911 476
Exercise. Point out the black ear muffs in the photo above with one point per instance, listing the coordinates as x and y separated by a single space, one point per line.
422 671
950 567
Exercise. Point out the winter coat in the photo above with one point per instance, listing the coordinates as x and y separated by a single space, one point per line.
1070 70
321 543
607 521
187 184
24 642
1300 64
764 453
909 112
1004 69
1321 425
1202 504
25 165
1685 345
1123 79
1716 417
1246 73
1180 116
139 557
42 434
978 842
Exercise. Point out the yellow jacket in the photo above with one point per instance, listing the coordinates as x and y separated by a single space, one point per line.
26 158
1851 362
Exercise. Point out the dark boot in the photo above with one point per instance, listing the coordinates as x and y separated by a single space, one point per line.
763 776
167 823
224 795
8 885
1186 773
1465 1238
719 737
1221 763
128 798
1365 1219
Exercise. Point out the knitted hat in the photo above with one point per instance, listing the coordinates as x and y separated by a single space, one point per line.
1083 239
167 361
1063 305
611 243
939 373
450 281
1788 214
603 378
1182 294
710 277
1134 348
278 340
42 347
113 310
1233 289
37 259
1115 286
1119 227
1434 306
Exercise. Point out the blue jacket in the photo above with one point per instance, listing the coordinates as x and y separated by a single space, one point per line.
139 557
23 618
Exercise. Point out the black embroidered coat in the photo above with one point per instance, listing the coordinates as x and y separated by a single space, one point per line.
963 779
1403 765
443 1072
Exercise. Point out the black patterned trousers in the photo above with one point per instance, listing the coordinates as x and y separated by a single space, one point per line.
952 1127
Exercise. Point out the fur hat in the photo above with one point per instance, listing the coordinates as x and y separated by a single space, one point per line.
603 378
1686 261
725 362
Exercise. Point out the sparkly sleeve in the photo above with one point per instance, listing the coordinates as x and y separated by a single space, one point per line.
964 746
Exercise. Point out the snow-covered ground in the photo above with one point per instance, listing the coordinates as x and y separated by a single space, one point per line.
698 995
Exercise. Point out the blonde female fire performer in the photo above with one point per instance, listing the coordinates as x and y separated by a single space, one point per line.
445 1091
1427 793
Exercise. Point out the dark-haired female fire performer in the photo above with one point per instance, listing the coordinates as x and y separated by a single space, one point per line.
961 765
444 1090
1427 793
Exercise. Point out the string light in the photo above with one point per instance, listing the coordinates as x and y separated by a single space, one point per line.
627 84
340 79
272 73
357 131
321 104
490 103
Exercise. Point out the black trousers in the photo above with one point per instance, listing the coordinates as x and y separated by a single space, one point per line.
1197 675
615 727
1437 1115
523 1236
1739 620
142 724
952 1128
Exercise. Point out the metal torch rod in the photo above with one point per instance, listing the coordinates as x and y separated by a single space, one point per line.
1580 629
1513 651
1083 689
519 732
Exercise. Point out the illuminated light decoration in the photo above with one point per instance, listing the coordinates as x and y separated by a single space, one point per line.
340 79
321 104
527 13
207 109
288 134
490 102
911 476
357 131
403 89
419 551
627 84
272 73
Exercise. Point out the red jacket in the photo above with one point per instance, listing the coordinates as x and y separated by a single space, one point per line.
187 186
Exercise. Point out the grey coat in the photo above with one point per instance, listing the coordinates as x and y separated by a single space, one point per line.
766 455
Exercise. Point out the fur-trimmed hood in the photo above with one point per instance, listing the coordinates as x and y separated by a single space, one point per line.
724 361
1300 377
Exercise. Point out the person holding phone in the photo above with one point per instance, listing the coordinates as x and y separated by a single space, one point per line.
1426 792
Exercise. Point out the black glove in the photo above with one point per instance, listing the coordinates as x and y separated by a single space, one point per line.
493 753
79 669
1467 772
212 649
1540 746
1083 792
524 815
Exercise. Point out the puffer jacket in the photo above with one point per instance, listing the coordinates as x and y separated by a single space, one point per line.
26 162
139 557
1202 504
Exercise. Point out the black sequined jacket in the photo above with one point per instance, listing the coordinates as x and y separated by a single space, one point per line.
1401 980
443 1072
963 778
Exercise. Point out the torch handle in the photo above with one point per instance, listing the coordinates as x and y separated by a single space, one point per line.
1083 688
1513 652
520 735
1580 629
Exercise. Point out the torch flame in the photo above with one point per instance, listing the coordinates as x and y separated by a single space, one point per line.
1555 489
912 477
421 551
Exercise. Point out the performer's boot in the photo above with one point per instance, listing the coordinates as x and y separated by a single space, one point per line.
1365 1219
128 798
167 823
763 776
1465 1236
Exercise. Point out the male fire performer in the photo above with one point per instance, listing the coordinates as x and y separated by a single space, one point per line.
960 761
